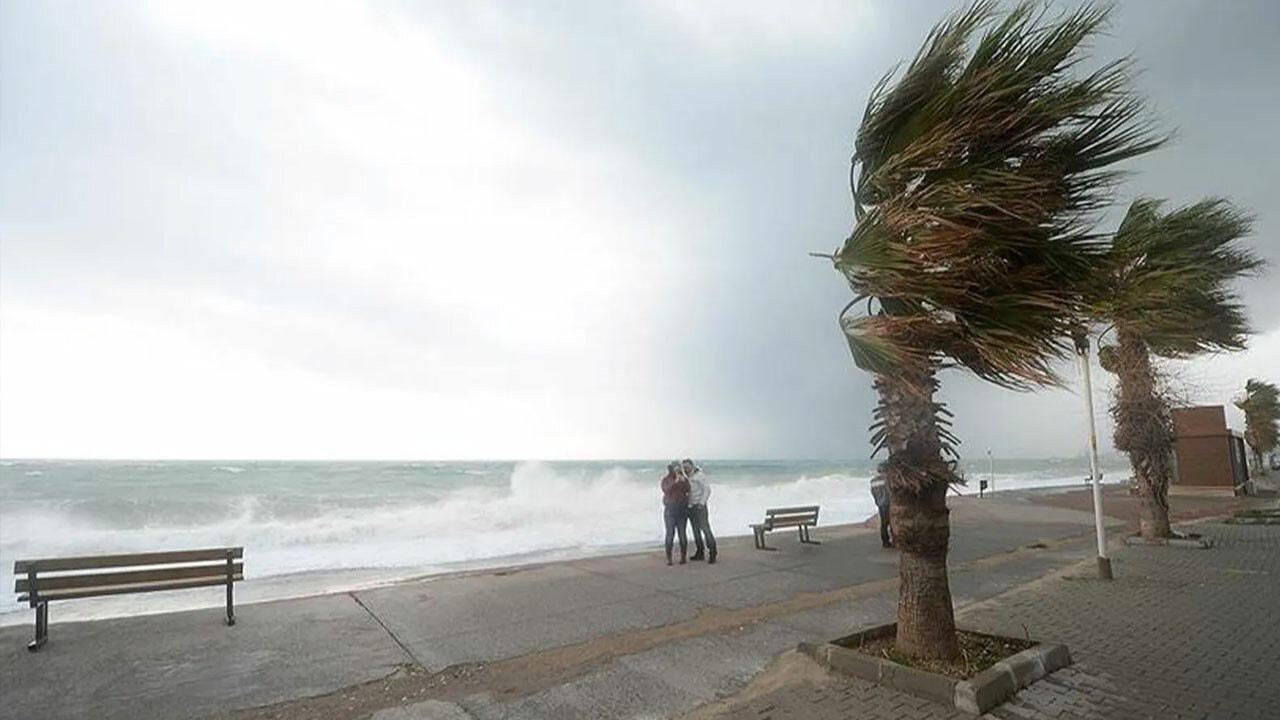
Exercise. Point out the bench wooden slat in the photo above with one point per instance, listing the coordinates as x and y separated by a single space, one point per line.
788 516
93 562
791 519
133 588
792 510
774 524
129 577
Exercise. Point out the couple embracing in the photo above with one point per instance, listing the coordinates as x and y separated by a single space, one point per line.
685 492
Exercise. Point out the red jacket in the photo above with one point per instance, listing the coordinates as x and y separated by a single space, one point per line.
674 490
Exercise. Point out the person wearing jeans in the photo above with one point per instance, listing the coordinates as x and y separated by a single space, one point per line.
699 494
675 509
880 493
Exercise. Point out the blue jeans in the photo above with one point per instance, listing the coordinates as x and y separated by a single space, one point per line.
701 529
676 516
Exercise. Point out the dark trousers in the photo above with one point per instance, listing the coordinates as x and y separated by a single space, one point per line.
701 530
885 540
676 516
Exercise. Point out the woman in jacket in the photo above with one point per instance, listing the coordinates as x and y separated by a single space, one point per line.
675 510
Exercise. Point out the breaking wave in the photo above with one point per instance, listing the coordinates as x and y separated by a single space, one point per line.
410 517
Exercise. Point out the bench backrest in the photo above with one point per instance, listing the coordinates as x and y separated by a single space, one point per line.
62 579
791 516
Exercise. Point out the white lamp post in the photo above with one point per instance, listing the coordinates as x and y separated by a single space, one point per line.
1082 353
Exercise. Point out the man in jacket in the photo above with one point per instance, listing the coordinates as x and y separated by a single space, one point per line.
880 493
699 494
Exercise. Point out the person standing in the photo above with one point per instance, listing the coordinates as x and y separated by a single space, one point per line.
880 493
675 510
699 494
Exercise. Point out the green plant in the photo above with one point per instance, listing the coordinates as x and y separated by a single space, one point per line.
1165 289
1261 405
977 174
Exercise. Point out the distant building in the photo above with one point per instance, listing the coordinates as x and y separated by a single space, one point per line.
1209 457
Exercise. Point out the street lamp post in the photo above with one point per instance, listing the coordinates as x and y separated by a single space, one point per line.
1082 353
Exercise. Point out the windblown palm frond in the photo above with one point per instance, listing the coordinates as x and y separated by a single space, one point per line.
1168 277
976 178
1165 287
977 172
1261 406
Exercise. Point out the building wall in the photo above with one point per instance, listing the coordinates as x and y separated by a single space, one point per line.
1204 461
1206 420
1203 448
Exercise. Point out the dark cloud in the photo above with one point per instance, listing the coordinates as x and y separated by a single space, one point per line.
763 137
748 132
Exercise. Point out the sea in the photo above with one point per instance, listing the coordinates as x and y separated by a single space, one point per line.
315 527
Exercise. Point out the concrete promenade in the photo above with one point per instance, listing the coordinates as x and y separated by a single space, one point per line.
621 636
1180 633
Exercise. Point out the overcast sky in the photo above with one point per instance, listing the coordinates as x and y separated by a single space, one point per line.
505 229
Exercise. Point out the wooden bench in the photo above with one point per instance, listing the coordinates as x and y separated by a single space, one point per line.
801 518
59 578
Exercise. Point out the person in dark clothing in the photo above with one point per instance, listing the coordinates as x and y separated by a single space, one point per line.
675 510
880 492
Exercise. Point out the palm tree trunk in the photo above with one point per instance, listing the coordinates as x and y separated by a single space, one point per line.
1144 430
921 532
918 478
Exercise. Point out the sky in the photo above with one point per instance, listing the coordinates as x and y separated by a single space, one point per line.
509 229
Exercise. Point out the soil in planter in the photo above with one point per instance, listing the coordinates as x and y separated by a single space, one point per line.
977 653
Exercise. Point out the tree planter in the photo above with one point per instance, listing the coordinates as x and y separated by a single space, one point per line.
1252 520
1265 516
1191 541
977 694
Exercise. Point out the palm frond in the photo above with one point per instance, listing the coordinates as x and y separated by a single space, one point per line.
1260 403
978 173
1168 276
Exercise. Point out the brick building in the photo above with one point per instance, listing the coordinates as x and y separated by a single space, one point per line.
1209 456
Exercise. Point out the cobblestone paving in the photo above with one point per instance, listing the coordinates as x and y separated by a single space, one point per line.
842 699
1180 633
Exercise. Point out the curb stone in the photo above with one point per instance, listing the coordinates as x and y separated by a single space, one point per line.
1188 543
977 695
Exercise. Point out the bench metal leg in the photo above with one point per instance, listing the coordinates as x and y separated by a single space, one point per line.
760 543
231 611
42 627
804 536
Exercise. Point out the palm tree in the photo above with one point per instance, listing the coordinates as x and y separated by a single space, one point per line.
976 176
1261 406
1165 290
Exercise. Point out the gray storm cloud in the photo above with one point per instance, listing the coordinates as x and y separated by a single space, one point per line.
507 229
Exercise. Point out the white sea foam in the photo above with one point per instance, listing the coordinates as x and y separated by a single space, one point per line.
542 510
539 510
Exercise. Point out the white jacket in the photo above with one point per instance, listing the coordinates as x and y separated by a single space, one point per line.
699 488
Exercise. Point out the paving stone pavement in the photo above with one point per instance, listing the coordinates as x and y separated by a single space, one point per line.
1179 633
